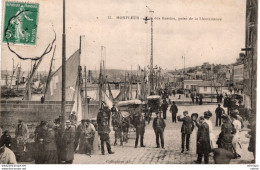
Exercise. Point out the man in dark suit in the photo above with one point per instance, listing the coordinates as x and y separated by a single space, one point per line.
158 127
104 130
174 110
73 118
201 97
113 109
203 141
186 130
219 112
139 124
192 97
108 113
68 140
164 107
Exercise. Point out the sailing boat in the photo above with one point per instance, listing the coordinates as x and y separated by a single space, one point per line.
102 96
73 83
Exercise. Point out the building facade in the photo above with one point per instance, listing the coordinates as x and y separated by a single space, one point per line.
191 84
250 62
238 76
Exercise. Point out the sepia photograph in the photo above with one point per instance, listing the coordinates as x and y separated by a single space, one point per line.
128 82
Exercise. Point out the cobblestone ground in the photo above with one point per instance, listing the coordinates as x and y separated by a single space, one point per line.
127 154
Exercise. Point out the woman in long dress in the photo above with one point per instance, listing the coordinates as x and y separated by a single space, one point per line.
237 125
207 116
50 146
96 144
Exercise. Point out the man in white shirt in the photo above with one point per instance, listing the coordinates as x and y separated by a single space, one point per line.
6 155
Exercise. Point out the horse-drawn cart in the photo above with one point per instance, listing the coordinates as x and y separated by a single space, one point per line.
154 105
129 110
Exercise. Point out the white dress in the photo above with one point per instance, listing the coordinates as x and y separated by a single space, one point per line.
211 135
237 136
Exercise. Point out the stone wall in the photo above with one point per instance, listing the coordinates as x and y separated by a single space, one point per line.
32 112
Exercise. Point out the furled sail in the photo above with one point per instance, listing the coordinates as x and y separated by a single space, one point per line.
54 91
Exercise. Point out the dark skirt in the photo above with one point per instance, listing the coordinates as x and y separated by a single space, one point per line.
51 157
39 154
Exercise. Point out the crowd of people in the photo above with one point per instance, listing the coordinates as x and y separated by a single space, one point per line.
52 143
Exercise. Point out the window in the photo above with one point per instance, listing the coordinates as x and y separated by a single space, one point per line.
205 88
187 86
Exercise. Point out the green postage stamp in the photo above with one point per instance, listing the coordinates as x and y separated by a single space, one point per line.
20 23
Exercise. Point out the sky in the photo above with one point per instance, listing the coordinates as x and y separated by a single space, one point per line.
127 42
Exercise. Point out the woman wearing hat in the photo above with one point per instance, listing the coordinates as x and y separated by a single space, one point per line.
237 125
50 145
40 133
207 116
226 134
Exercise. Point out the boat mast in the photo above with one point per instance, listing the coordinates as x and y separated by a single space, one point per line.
63 88
86 94
101 80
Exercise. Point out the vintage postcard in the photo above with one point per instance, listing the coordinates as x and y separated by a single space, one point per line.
128 82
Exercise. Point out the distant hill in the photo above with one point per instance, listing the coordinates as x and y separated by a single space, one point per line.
112 74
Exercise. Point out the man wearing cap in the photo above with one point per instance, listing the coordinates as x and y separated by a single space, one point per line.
201 98
219 112
79 137
6 155
73 118
164 107
68 139
174 110
116 123
186 130
158 127
88 137
220 97
103 131
113 109
192 97
103 114
125 127
203 141
100 116
139 124
21 136
108 113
